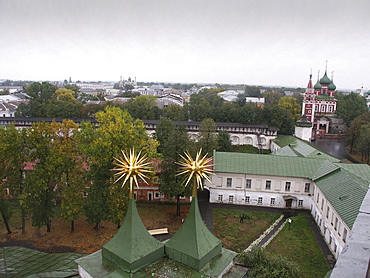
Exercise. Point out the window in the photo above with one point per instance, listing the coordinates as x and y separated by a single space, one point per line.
268 185
330 240
339 226
335 248
322 204
300 203
260 200
272 202
344 235
247 199
318 198
330 108
287 186
323 108
316 108
324 230
229 182
219 198
336 223
332 218
248 184
307 187
156 195
327 212
231 198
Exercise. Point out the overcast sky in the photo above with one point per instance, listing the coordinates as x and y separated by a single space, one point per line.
256 42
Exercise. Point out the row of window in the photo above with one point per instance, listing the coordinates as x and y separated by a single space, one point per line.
248 185
323 108
334 221
259 200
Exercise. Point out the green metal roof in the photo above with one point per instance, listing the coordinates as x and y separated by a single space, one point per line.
324 97
345 192
272 165
332 86
290 144
194 244
317 85
132 247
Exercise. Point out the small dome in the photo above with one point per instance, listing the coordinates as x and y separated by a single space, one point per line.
325 80
317 86
332 87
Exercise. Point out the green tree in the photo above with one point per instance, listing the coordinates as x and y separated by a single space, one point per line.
174 142
40 189
353 132
6 212
144 107
174 112
266 265
39 94
252 91
199 108
12 163
70 170
350 106
291 104
280 118
73 87
116 131
224 141
207 137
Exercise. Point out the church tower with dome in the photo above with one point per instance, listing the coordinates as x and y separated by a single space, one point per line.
319 103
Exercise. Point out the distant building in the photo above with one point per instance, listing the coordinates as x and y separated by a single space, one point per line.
319 103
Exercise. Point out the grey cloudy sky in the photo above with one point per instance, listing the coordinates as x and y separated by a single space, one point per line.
259 42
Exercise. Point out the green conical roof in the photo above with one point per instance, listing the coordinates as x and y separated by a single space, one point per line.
325 80
132 247
194 244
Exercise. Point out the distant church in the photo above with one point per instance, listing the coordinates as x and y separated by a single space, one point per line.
319 103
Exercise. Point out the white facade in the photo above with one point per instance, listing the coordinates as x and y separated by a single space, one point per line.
275 191
281 192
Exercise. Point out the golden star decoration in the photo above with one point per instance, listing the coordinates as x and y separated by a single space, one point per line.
131 167
196 169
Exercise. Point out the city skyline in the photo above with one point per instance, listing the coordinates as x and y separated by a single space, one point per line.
265 42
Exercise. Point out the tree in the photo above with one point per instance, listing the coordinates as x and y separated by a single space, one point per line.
174 112
12 164
177 143
264 264
144 107
73 87
224 141
290 104
350 106
116 131
364 142
280 118
165 127
207 137
252 91
40 189
70 170
199 108
6 212
353 132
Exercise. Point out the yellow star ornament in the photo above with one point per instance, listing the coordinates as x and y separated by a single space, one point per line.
196 169
131 167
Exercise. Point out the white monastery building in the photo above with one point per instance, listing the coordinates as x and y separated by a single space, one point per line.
295 176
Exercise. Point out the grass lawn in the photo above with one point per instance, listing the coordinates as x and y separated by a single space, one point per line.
238 236
297 243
